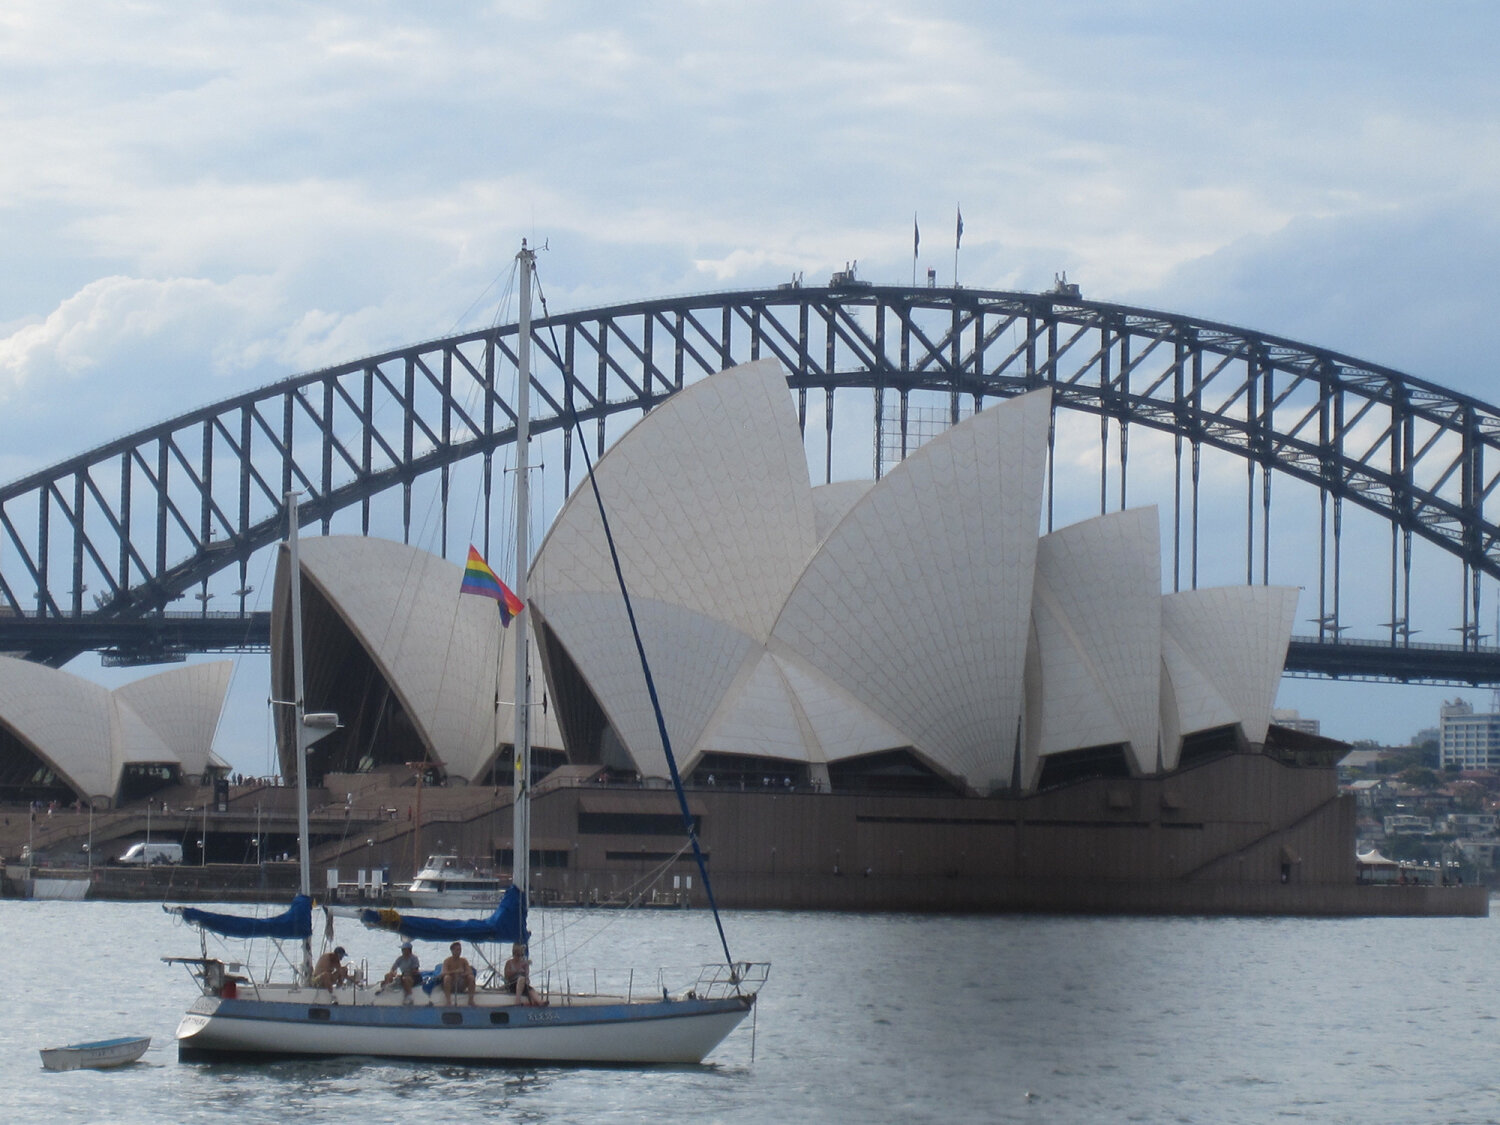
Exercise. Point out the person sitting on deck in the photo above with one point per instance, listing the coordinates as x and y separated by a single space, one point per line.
457 974
331 970
518 977
406 969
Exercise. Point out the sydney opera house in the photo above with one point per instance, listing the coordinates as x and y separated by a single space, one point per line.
915 634
899 684
65 739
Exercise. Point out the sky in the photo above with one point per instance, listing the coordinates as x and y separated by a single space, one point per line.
196 200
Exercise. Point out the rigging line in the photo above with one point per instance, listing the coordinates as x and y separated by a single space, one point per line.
509 274
426 530
638 890
640 648
477 391
474 404
634 894
260 600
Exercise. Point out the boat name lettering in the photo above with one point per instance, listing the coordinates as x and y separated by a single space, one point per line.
541 1017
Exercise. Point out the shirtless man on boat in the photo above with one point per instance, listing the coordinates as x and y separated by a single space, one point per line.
457 974
518 977
331 970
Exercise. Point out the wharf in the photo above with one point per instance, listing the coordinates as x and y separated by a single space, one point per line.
1244 834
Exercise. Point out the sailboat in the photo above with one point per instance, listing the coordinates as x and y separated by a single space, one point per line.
237 1016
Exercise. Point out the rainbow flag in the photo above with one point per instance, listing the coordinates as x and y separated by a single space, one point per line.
480 579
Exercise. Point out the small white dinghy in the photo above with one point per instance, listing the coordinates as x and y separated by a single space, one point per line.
96 1056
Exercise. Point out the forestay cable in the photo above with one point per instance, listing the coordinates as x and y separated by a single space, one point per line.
640 648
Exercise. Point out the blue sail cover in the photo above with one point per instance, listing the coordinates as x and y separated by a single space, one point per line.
295 922
503 925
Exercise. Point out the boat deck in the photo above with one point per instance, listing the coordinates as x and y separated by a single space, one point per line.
392 997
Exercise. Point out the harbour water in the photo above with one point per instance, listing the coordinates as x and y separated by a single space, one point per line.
867 1018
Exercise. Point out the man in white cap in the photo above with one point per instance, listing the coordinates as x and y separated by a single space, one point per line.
407 970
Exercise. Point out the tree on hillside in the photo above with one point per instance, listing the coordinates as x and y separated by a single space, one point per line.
1469 796
1419 777
1429 749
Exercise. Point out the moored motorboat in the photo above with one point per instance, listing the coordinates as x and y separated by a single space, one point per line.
447 882
68 884
98 1055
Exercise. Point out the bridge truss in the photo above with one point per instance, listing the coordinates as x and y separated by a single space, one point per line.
95 551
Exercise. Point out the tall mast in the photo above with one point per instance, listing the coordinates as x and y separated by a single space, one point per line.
299 708
521 817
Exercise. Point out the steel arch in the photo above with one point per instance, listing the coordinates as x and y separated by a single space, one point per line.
146 518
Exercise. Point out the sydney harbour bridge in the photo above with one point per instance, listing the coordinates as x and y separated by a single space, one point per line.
1382 483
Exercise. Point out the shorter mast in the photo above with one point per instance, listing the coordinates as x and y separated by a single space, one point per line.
520 867
299 708
307 728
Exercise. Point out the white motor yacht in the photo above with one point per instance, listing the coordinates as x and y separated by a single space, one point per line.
448 882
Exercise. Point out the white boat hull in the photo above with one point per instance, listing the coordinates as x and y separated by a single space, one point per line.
95 1056
73 889
677 1031
54 883
449 882
448 900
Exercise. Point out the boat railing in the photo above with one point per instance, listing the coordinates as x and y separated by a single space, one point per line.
216 977
630 985
743 978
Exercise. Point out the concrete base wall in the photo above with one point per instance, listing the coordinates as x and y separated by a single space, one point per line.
1083 897
908 893
1242 834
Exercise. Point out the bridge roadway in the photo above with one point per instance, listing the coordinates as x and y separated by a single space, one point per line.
171 636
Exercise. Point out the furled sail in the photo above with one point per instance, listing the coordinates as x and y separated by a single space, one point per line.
294 922
503 925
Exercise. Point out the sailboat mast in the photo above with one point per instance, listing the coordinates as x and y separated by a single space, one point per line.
299 708
521 817
299 703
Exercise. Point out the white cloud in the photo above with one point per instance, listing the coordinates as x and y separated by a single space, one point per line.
114 316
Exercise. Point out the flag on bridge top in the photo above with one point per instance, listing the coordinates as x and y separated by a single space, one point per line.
958 236
480 579
916 236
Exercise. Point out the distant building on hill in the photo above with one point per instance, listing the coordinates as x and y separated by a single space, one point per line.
1468 739
1292 720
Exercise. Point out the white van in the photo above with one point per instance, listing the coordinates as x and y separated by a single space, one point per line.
140 855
